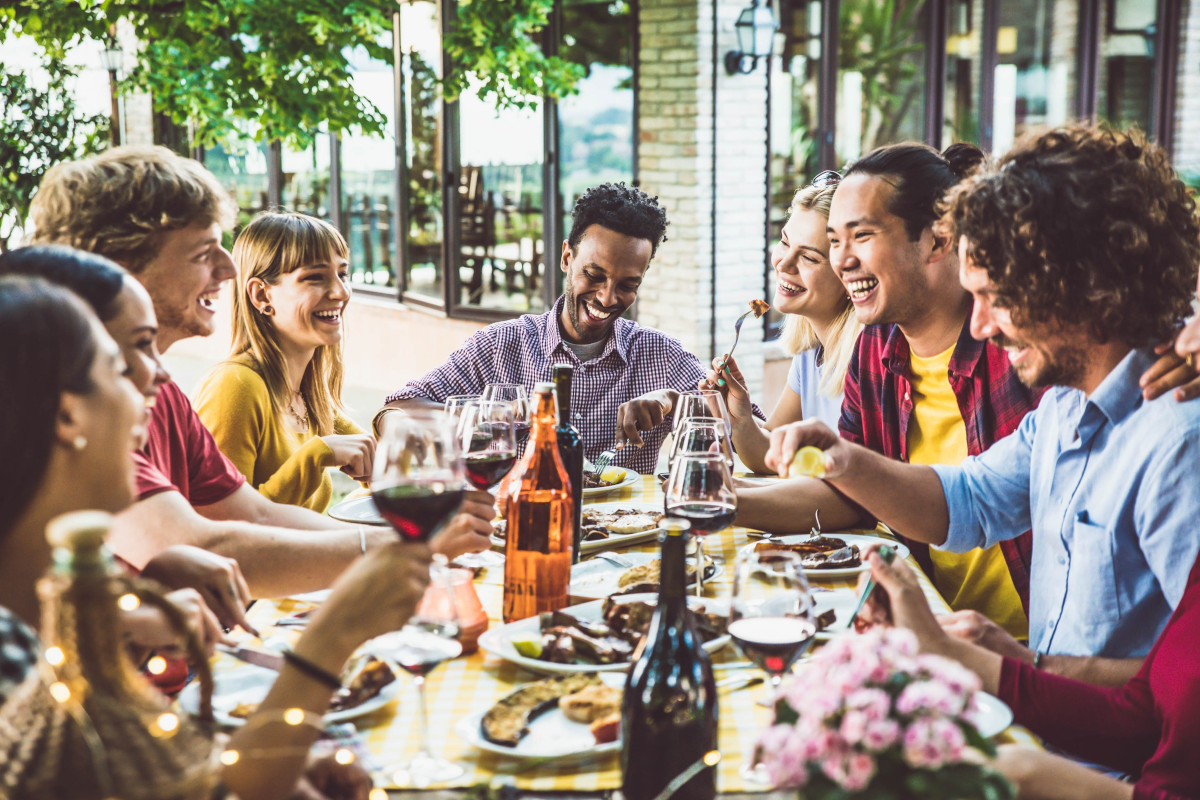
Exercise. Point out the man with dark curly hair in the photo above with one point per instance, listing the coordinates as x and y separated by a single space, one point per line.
1079 251
627 377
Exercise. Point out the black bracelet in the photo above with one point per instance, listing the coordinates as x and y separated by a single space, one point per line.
314 671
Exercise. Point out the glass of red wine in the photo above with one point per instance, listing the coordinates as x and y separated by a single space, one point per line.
700 490
488 440
515 395
770 619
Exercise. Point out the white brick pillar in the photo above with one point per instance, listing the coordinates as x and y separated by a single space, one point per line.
1187 97
675 162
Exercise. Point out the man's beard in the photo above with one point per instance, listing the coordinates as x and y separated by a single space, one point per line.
585 331
1063 367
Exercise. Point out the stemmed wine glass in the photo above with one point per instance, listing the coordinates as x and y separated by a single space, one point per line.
516 395
455 404
417 486
700 490
701 435
770 618
701 403
487 438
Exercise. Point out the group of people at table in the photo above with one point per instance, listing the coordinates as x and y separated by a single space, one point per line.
995 359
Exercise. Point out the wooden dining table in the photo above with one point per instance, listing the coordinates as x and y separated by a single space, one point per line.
470 684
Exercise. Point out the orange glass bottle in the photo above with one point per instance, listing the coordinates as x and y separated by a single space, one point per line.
541 522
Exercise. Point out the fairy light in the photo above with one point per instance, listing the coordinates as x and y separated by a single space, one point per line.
60 691
294 716
378 794
712 758
229 757
156 665
165 725
128 602
343 756
55 656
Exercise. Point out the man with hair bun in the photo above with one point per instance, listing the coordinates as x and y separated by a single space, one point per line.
1079 252
627 377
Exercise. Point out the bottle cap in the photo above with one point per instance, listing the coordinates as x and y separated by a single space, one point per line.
79 530
543 387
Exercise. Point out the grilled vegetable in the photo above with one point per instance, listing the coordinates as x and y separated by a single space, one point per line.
508 720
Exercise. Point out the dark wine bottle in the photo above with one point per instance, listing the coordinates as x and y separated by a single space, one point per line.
669 711
570 447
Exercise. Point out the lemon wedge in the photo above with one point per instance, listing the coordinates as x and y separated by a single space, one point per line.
612 475
527 646
809 462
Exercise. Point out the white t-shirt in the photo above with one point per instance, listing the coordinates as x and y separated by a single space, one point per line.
804 378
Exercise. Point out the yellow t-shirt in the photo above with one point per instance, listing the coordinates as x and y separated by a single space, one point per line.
978 579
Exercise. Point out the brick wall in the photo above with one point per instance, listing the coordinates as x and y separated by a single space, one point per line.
675 141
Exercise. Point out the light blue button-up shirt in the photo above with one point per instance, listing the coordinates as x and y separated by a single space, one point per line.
1110 485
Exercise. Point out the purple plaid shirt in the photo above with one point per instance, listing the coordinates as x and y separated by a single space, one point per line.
992 400
635 361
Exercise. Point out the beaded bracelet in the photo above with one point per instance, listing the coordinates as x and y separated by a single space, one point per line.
314 671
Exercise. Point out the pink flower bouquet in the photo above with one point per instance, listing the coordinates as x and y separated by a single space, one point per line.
869 718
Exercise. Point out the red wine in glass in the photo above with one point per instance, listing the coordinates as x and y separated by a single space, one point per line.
417 510
521 431
486 469
705 517
773 643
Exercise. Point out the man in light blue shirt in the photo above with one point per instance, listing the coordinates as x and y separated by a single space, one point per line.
1080 250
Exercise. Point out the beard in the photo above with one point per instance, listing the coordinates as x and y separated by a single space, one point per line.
586 332
1064 366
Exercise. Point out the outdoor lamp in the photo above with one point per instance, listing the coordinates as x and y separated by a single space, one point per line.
110 56
755 28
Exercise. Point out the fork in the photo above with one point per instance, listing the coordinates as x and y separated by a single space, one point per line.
737 334
613 558
602 462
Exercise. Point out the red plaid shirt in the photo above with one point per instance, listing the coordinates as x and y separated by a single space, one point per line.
878 406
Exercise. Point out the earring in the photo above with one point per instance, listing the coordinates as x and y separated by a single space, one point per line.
267 310
79 442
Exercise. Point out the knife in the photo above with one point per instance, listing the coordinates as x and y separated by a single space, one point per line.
259 658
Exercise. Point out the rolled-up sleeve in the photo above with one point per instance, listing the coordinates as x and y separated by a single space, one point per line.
988 496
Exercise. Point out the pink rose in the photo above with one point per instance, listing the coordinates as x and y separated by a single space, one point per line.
860 769
881 735
854 727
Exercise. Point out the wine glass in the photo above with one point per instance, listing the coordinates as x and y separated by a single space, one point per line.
516 395
701 435
701 403
455 403
770 618
700 490
487 438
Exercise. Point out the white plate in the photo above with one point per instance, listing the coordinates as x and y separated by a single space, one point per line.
614 540
862 540
250 684
498 641
842 604
360 510
994 716
551 736
628 478
597 578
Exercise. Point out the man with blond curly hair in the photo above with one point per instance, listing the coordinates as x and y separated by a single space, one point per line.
162 217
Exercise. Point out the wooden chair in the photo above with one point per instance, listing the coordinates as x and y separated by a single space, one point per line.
477 242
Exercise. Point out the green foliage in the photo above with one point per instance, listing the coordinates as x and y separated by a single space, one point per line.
878 39
495 42
38 128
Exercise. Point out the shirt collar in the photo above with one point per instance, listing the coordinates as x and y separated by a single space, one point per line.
963 361
1119 394
553 343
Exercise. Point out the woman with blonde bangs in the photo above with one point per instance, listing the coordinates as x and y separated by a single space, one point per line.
819 329
274 406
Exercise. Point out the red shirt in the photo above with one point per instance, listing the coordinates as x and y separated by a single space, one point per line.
877 407
180 454
1149 726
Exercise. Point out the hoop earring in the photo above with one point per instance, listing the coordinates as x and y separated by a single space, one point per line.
267 310
79 442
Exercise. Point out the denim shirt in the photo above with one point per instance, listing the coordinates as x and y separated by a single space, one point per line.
1110 485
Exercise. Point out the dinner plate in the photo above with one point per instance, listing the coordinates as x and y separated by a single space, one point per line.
597 578
614 540
841 603
993 716
551 736
250 684
862 540
628 478
498 641
360 510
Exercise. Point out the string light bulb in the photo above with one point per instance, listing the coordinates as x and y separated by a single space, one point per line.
344 756
294 716
156 665
128 602
60 691
229 757
55 656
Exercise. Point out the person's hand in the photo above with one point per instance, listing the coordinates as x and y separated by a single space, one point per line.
638 415
903 603
353 453
325 779
376 594
1170 372
218 579
732 386
787 439
971 626
470 530
147 627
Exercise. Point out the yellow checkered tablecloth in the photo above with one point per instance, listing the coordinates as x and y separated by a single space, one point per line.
470 684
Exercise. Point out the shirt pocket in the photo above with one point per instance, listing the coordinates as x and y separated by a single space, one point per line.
1092 584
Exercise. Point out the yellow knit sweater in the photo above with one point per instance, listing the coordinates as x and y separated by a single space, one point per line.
284 466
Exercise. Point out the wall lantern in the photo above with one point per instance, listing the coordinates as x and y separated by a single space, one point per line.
111 56
755 28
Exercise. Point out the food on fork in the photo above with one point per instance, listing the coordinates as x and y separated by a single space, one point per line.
759 307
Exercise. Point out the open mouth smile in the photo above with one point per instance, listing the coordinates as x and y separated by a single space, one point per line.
208 300
333 317
595 314
860 289
790 289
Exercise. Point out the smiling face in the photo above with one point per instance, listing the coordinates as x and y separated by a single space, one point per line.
307 303
886 273
134 329
603 276
1041 356
184 280
806 284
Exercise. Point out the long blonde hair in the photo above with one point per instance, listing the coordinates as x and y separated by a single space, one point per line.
798 334
273 244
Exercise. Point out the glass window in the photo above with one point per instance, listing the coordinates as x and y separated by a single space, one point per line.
242 169
306 177
1126 81
1035 69
880 75
421 67
964 66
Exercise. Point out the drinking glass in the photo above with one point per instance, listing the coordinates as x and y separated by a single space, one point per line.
418 481
702 435
514 394
487 437
455 403
770 618
701 403
700 490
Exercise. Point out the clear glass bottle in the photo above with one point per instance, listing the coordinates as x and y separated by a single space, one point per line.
570 447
